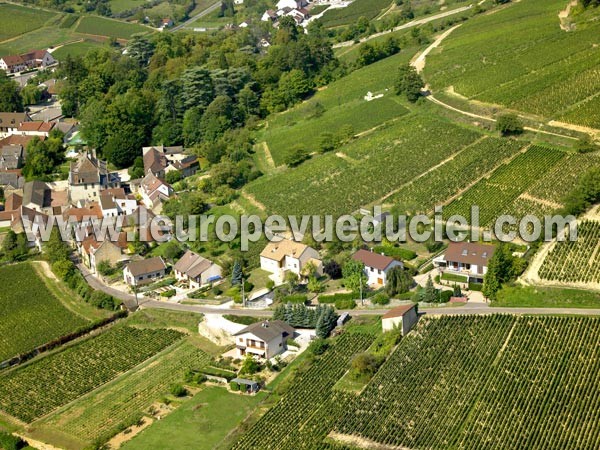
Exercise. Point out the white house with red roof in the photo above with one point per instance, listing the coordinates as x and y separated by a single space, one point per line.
154 191
377 266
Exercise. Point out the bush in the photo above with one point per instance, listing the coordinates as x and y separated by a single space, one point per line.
10 442
395 252
328 299
380 299
445 296
318 346
216 290
509 124
178 390
168 294
104 301
234 386
476 286
297 298
365 364
345 303
270 285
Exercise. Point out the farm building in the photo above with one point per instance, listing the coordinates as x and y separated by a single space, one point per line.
466 258
403 317
264 339
145 271
376 266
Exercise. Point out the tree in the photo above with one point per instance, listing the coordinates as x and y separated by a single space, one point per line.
250 366
56 249
294 86
431 294
104 268
10 241
236 274
409 83
586 145
172 250
585 193
327 142
198 88
318 346
297 155
398 281
491 285
509 124
292 280
365 365
354 275
173 176
140 49
43 157
217 118
333 269
63 269
10 99
315 285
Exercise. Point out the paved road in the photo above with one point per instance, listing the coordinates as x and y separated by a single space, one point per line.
407 25
197 16
127 299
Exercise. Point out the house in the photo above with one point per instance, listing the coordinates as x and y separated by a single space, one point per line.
269 15
161 160
35 128
84 216
31 60
12 157
11 206
166 23
292 4
154 191
145 271
11 181
377 266
10 122
22 221
403 317
114 202
238 2
92 252
88 176
264 339
278 257
36 195
466 258
197 270
18 139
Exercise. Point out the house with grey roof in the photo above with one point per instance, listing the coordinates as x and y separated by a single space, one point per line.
12 157
264 339
144 271
161 160
36 195
88 176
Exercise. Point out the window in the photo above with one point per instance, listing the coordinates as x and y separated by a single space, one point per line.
241 339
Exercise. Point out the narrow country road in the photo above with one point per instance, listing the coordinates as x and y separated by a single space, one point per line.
197 16
407 25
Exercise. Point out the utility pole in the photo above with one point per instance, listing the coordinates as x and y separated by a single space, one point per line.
362 303
243 293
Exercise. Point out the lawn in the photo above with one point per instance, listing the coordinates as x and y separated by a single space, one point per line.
22 20
546 297
200 423
76 49
454 277
101 26
31 313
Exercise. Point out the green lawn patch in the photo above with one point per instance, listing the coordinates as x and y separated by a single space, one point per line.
200 423
542 297
454 277
76 49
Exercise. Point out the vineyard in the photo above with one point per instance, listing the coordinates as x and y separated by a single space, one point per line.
101 26
33 390
372 166
31 314
520 58
23 20
123 402
353 12
575 262
457 174
495 195
300 419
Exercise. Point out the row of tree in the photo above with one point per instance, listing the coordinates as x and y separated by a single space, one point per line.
322 317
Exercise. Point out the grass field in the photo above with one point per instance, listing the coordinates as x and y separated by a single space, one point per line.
22 20
520 58
76 49
212 413
31 314
370 9
36 389
113 407
546 297
117 6
101 26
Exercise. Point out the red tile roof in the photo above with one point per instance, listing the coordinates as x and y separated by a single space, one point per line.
398 311
373 259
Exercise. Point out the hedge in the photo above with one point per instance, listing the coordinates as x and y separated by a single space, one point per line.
346 303
170 293
476 286
297 298
329 299
219 373
395 252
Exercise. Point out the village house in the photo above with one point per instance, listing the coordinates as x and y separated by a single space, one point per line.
88 176
466 258
10 122
22 220
35 128
12 157
264 339
11 181
144 271
154 191
292 4
36 195
114 202
376 265
92 252
279 257
161 160
196 270
402 317
25 61
269 15
12 204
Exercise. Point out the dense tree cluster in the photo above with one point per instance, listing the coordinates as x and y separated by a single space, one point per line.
322 317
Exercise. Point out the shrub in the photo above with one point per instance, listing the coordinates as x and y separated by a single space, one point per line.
476 286
177 390
250 366
509 124
10 442
333 269
270 285
234 386
318 346
327 299
345 303
380 299
297 298
217 290
445 296
170 293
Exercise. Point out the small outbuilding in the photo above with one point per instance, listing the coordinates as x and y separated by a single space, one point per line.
403 317
247 386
